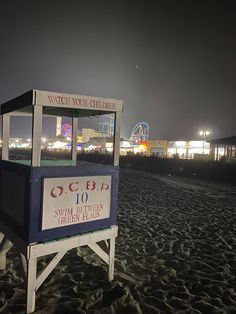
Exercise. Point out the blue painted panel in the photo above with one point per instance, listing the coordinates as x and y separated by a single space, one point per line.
10 195
31 231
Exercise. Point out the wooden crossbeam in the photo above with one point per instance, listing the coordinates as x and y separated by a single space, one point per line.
1 237
104 245
5 246
96 248
71 242
48 269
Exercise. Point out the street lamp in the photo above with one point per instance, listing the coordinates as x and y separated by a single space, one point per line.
204 134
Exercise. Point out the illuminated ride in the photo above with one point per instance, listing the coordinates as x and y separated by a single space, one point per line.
66 129
140 132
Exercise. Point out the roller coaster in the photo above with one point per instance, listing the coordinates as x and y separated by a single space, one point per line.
140 132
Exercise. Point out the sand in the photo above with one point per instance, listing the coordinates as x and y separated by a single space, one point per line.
175 253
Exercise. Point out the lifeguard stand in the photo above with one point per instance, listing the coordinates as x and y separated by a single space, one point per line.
52 206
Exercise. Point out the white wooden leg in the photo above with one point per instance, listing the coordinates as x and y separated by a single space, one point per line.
1 237
111 259
23 263
31 281
2 261
79 252
2 258
5 246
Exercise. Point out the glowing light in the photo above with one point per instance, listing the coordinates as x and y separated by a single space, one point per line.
109 147
125 144
142 147
204 133
180 143
59 145
195 144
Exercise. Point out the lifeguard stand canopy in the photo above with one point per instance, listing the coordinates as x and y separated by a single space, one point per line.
38 103
60 104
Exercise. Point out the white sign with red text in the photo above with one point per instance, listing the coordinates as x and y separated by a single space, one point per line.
74 200
53 99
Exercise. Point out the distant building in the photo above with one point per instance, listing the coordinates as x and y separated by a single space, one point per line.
97 144
87 134
158 148
223 148
179 149
188 149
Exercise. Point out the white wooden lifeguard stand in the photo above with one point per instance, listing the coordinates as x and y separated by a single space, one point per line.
25 206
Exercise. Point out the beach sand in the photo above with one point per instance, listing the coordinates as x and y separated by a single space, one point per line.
175 253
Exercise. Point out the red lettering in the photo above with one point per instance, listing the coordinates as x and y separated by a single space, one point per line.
80 102
73 186
63 100
104 187
51 99
92 103
57 191
91 185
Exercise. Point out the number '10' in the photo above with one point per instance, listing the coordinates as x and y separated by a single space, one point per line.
81 198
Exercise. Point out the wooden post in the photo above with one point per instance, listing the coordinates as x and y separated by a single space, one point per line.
116 146
5 136
111 259
74 139
23 263
36 135
31 280
5 246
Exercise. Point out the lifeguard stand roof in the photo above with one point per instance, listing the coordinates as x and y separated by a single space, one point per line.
61 104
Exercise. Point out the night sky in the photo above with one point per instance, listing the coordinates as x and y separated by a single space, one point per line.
172 62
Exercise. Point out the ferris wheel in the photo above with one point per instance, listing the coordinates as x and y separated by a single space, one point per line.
140 132
66 129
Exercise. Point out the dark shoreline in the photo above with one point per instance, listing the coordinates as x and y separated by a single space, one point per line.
207 170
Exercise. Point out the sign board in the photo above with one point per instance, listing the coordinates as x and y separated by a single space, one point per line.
53 99
73 200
